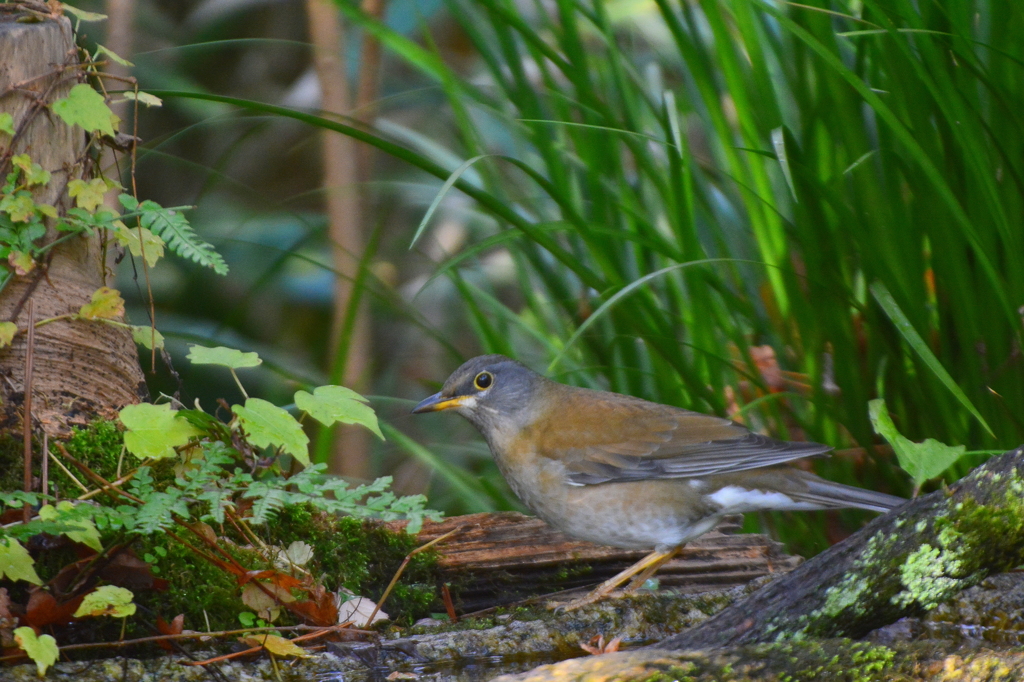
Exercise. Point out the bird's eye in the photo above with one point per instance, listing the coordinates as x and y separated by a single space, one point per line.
483 380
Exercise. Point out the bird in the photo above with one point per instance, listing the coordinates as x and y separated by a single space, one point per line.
621 471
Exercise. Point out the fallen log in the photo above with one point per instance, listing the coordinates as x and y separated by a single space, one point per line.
501 558
901 564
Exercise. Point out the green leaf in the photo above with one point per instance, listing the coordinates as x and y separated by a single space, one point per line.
128 201
112 55
221 355
86 108
15 562
43 649
88 535
33 172
151 246
330 404
147 337
144 98
154 430
19 206
89 194
267 424
6 123
82 15
923 461
108 600
106 304
7 332
21 262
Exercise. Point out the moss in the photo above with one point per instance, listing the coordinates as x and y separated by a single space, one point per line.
834 659
961 553
98 445
569 572
101 446
684 672
846 594
206 594
930 576
362 556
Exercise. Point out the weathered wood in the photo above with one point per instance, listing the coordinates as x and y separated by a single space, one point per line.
901 564
81 369
504 557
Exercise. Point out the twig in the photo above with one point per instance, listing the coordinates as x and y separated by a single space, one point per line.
401 569
105 485
300 638
89 494
26 427
44 465
244 530
70 475
222 565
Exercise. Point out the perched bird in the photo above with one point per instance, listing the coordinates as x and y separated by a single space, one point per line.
621 471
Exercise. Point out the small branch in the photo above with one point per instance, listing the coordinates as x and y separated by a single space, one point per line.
44 465
401 569
300 638
26 427
200 553
105 485
88 493
190 635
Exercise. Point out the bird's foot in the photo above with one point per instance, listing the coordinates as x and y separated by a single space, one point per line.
640 572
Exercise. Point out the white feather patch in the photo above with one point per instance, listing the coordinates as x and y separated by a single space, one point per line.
734 499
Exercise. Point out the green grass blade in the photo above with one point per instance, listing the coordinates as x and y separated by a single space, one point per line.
910 335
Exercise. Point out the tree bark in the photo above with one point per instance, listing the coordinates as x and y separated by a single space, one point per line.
81 369
350 455
901 564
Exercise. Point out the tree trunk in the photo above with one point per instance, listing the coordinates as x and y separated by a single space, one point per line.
81 369
350 451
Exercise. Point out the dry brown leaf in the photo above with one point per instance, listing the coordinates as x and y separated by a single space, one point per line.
597 645
175 627
266 606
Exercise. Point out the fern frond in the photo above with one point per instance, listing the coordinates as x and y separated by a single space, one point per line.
158 512
219 500
269 500
172 226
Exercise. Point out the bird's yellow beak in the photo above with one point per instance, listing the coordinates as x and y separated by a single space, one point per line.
437 402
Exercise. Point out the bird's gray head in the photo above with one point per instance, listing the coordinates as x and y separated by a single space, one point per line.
493 392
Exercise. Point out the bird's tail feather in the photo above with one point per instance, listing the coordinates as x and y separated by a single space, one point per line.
831 495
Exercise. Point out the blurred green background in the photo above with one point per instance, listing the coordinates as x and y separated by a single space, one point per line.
724 205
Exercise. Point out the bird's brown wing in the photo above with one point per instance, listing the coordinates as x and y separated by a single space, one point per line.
625 439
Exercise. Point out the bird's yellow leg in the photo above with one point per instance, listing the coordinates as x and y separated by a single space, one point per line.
645 567
648 572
